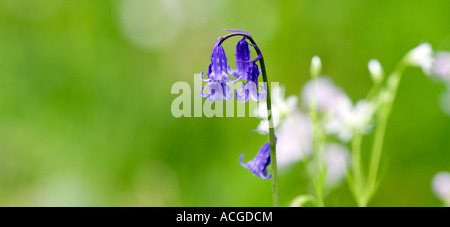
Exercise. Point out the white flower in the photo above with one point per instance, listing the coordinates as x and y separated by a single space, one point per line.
441 66
337 159
376 71
293 129
281 108
349 119
324 93
441 186
295 135
422 56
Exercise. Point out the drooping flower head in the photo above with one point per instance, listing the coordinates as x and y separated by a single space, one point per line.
217 70
217 76
243 66
246 69
250 88
259 164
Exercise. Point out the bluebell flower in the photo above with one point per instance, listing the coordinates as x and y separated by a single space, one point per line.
217 76
217 91
250 88
259 164
243 64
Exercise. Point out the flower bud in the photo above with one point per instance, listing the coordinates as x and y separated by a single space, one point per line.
316 66
376 71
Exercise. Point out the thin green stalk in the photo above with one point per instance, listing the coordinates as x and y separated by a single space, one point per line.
383 117
273 153
357 170
319 182
376 152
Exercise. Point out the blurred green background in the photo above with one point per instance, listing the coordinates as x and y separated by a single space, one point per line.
85 101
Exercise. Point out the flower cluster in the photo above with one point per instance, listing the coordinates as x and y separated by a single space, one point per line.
294 126
317 126
219 89
342 118
436 65
246 69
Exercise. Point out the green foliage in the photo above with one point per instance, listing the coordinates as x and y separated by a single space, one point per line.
85 104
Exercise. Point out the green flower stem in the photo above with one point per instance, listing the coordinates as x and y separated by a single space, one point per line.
383 117
320 181
358 174
273 153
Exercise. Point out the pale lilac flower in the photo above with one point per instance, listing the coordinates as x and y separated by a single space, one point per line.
295 136
259 164
338 161
441 66
441 186
349 119
324 93
421 56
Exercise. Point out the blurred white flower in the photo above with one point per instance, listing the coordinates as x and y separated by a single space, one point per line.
316 66
441 186
445 101
281 107
338 160
293 129
422 56
376 71
344 118
295 136
441 66
324 93
349 119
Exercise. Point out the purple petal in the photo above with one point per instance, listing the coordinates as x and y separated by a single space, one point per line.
259 164
201 77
